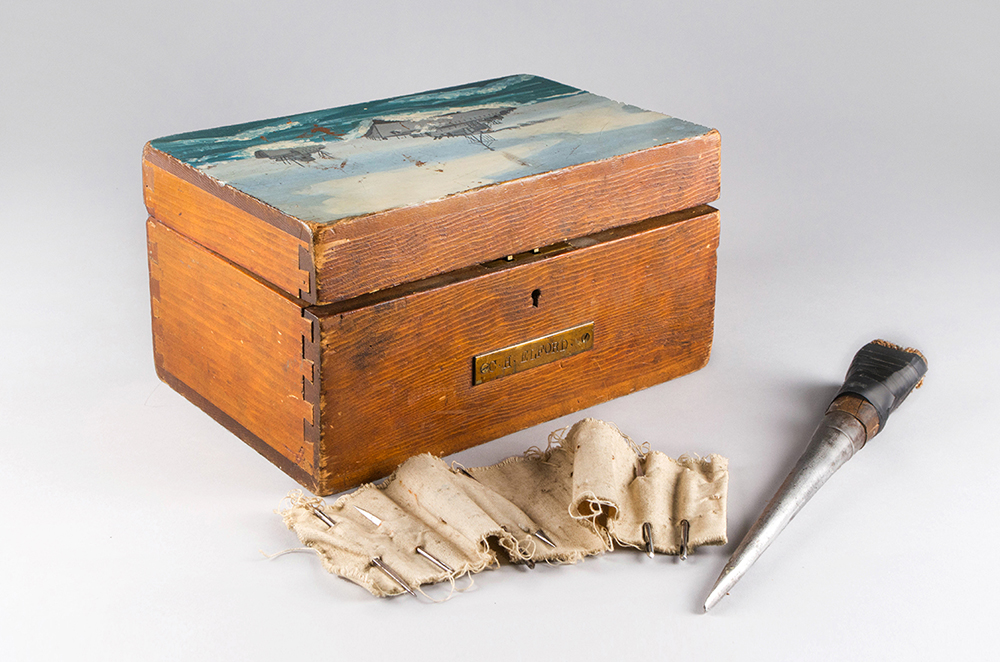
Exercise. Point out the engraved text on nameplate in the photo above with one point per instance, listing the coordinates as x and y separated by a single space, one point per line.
533 353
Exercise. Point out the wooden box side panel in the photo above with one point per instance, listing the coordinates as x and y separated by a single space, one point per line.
243 230
398 375
236 348
369 253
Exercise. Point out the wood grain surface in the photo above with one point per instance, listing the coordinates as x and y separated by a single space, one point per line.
372 252
225 339
340 394
397 367
324 263
245 231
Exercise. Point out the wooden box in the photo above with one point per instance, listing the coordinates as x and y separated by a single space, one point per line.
346 288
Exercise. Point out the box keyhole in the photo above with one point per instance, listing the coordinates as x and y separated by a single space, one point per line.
535 296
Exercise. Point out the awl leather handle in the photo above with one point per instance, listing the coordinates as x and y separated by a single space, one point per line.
879 379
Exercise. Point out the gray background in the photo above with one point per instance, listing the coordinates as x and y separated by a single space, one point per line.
859 201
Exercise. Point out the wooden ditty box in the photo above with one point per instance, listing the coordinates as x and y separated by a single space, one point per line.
346 288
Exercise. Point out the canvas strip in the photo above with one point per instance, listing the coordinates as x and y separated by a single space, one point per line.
587 493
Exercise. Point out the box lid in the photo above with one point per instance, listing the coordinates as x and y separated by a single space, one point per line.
332 204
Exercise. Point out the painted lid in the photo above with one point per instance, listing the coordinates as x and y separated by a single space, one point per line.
389 191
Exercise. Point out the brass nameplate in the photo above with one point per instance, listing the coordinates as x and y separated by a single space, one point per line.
533 353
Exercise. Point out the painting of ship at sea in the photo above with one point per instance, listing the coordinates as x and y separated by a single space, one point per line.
880 377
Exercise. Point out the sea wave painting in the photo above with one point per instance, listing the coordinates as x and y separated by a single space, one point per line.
344 162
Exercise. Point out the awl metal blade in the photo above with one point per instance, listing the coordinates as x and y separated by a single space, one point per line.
879 379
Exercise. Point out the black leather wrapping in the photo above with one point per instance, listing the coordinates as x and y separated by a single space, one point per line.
884 375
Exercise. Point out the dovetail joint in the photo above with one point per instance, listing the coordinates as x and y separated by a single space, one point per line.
307 273
311 376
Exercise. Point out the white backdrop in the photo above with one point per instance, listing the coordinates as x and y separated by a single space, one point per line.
859 201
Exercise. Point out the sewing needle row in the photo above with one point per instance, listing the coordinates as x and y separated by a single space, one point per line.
647 528
377 521
377 561
537 532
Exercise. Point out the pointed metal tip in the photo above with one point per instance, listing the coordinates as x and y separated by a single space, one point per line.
723 585
647 538
685 532
713 599
541 535
374 519
710 602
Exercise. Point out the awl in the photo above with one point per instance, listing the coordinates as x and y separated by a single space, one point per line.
878 380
